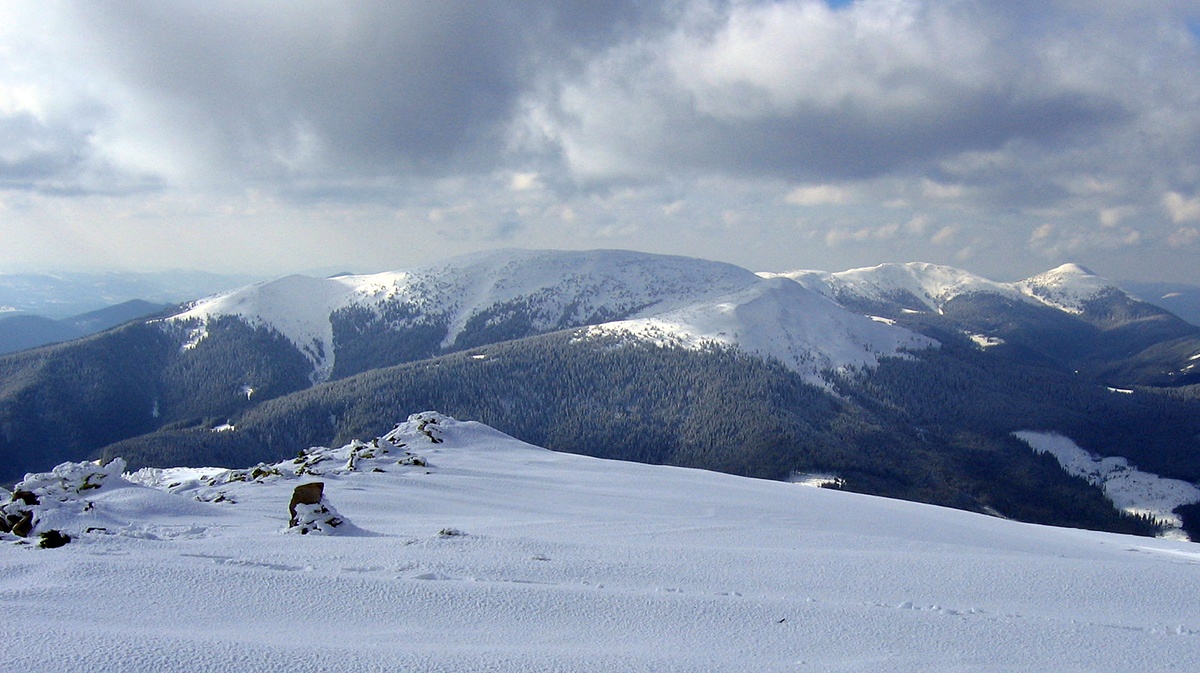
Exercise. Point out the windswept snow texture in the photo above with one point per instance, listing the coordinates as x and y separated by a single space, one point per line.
1067 288
778 318
499 556
559 289
1129 489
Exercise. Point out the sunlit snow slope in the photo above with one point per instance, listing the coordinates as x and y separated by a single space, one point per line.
694 301
777 318
1066 288
558 289
499 556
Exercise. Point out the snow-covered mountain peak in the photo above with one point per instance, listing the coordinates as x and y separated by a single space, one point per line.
298 307
548 289
930 284
777 318
1068 287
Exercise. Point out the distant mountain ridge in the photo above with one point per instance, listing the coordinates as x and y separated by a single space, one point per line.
59 295
905 380
484 298
1067 317
20 332
920 286
1181 299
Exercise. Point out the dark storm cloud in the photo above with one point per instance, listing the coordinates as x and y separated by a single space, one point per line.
799 91
822 145
31 151
316 96
366 87
331 88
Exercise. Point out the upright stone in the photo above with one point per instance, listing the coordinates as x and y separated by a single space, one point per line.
305 494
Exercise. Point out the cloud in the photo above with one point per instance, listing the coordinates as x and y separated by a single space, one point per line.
317 91
816 195
1053 127
945 235
1184 237
523 182
797 90
1180 208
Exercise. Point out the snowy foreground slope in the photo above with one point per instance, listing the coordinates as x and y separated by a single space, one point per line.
500 556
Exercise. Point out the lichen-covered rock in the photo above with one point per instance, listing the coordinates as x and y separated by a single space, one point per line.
52 539
65 487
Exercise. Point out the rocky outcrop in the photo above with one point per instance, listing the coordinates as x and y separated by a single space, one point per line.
65 487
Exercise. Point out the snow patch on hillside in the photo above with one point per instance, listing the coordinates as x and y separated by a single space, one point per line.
1128 488
777 318
984 341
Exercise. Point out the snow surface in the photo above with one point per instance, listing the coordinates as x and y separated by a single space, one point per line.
1128 488
778 318
984 341
499 556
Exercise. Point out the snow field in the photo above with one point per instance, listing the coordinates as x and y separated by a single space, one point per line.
569 563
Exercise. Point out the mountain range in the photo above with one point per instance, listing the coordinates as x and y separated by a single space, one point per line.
23 331
905 380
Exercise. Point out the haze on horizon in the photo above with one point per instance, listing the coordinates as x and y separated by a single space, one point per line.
999 136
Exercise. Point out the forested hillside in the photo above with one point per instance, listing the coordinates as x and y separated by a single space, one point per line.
884 432
910 387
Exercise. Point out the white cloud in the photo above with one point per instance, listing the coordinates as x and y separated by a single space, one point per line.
817 195
1184 237
931 189
945 235
1180 208
523 182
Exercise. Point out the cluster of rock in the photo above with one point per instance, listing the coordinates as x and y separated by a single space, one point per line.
309 510
63 493
64 488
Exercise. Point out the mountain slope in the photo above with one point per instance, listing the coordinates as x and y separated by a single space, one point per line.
914 393
499 556
777 319
1067 317
936 427
464 302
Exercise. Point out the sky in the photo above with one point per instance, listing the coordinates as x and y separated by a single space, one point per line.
1003 137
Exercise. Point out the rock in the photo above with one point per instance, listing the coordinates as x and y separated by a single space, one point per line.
26 497
24 525
305 494
52 539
